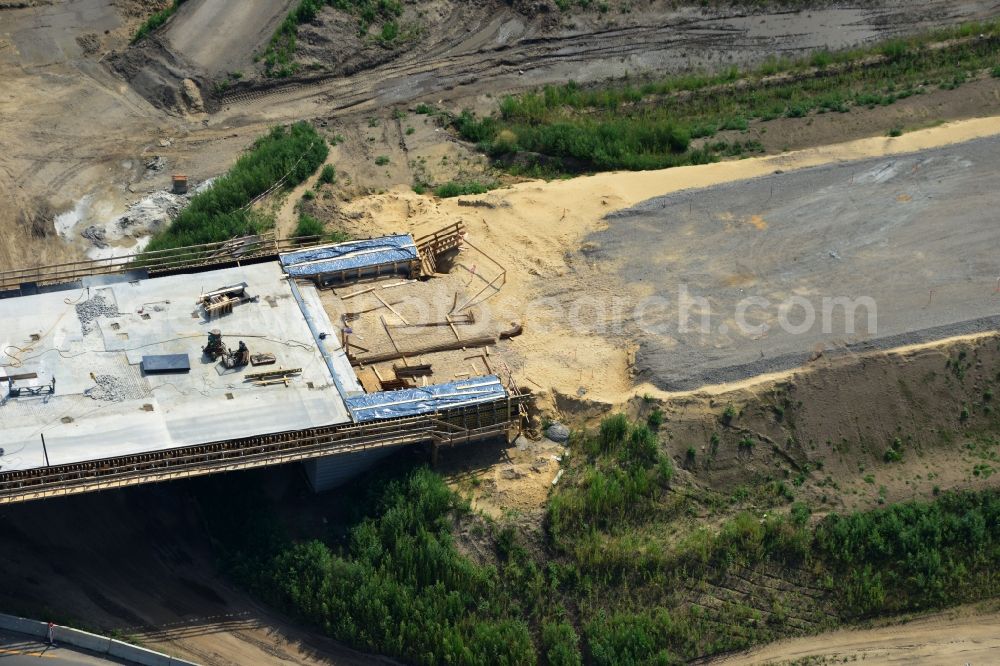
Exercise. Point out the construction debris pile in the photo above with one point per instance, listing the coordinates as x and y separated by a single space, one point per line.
113 389
92 309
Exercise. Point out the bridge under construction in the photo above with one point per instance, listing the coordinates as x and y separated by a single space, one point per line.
245 354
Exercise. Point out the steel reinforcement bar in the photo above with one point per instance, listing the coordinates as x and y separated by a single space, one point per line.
464 424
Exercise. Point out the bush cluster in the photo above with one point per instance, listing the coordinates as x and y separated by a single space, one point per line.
398 587
459 188
627 473
286 155
395 582
654 124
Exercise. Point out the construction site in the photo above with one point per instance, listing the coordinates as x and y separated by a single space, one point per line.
221 358
508 331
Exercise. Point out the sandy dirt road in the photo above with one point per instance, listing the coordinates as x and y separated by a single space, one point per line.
957 637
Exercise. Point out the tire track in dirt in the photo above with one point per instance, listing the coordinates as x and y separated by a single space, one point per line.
673 43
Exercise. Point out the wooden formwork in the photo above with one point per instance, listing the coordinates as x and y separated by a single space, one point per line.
431 246
371 272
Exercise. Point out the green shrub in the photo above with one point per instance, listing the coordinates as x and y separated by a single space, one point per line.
620 125
560 644
390 31
382 160
328 175
914 555
613 431
308 226
655 419
800 513
288 155
457 189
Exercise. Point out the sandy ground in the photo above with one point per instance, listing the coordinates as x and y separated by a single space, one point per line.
76 136
539 231
959 636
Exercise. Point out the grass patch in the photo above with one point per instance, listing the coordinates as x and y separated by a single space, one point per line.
459 188
285 156
310 227
672 121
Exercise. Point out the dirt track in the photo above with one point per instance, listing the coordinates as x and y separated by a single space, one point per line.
954 637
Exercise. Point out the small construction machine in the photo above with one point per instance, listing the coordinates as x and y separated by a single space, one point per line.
216 349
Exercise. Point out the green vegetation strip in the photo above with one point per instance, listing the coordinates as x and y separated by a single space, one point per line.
279 56
624 573
655 124
157 20
281 159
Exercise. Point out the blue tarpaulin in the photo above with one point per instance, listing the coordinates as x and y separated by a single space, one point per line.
352 255
425 400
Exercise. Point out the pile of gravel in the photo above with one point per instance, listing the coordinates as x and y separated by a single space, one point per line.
111 389
93 309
